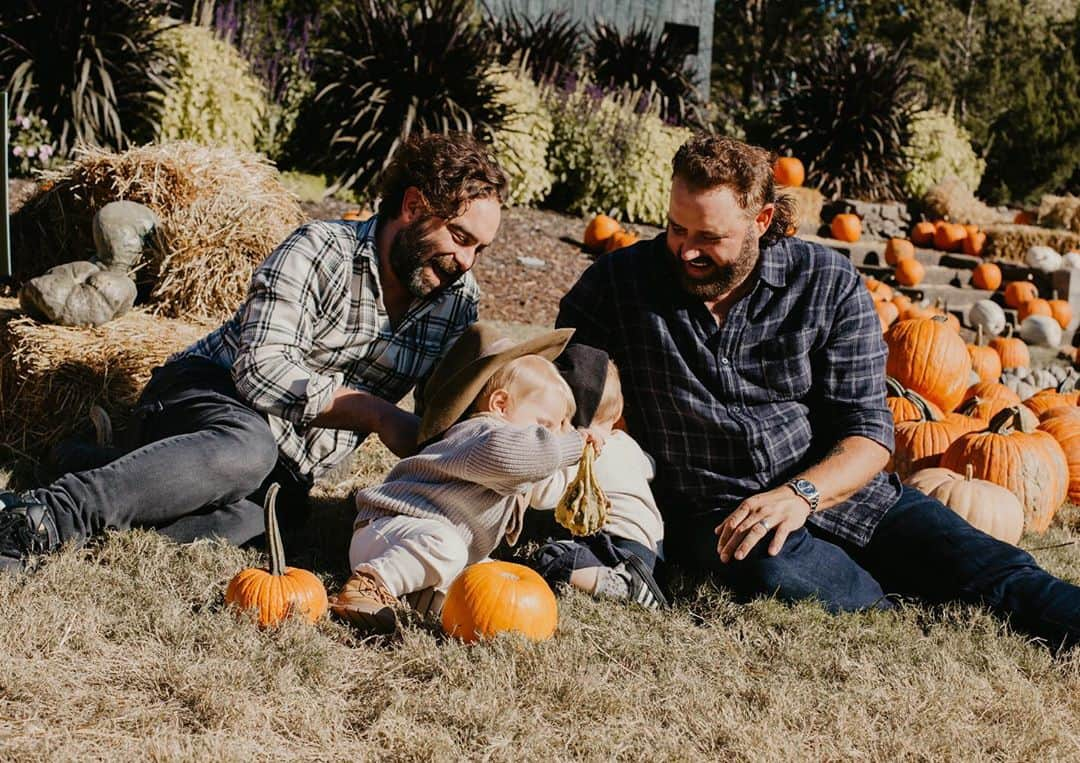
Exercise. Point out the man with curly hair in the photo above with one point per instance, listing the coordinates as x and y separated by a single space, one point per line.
340 322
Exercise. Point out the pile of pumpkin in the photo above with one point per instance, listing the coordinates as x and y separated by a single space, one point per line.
1001 450
605 234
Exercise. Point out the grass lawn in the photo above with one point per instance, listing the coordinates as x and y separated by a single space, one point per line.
123 650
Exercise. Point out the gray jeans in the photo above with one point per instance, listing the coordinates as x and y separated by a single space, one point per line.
202 464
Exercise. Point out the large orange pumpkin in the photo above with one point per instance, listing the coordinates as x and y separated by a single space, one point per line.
495 597
1012 351
949 237
846 227
1066 430
789 171
923 234
910 272
1060 310
986 506
281 590
984 360
599 230
1027 462
927 356
920 443
897 249
1019 292
986 275
1047 399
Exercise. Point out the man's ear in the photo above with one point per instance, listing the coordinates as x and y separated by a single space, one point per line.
413 206
764 218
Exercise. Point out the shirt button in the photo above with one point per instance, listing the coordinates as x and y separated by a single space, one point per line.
725 361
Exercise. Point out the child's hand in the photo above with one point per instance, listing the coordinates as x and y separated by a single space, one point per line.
594 436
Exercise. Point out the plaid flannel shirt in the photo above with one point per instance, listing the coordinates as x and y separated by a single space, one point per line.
314 321
730 411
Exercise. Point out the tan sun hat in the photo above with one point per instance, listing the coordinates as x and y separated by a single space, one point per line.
466 368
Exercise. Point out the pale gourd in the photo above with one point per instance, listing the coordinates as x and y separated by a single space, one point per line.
1041 330
78 294
1043 258
986 506
1071 260
988 315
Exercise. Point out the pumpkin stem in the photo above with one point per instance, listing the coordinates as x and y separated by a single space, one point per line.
1053 294
895 388
925 412
968 407
978 336
969 473
1003 422
273 535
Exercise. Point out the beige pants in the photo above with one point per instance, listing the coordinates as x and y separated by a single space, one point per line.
409 554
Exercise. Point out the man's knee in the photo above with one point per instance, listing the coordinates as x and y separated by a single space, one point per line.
246 454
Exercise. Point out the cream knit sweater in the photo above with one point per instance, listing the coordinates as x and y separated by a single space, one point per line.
477 479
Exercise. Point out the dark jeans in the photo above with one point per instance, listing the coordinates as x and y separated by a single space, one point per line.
202 464
561 556
920 549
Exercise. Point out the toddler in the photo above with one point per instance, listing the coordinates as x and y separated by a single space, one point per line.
452 503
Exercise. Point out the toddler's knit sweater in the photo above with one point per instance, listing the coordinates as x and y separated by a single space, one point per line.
476 479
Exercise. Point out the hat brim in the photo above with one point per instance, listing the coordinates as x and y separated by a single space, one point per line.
448 403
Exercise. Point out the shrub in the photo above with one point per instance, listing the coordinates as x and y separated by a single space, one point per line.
611 153
939 148
214 99
521 144
548 47
846 111
94 70
386 72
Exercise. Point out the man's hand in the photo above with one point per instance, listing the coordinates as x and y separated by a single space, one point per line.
781 511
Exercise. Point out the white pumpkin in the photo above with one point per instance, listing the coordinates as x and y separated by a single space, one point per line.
986 506
1043 258
989 315
1041 378
1041 330
1018 383
1071 260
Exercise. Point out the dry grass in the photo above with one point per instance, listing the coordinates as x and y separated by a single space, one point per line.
1010 242
123 650
1060 212
952 200
221 213
809 202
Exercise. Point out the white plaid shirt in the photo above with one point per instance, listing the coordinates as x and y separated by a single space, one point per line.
314 321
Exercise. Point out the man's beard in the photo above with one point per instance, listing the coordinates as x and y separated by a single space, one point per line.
724 277
411 251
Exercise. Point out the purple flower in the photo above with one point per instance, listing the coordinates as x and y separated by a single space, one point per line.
17 150
31 152
23 122
45 151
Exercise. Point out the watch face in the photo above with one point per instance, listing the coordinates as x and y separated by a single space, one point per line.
805 486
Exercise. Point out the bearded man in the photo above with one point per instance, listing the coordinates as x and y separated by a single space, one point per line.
753 371
339 323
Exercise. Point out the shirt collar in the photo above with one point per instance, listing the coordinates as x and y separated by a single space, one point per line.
773 266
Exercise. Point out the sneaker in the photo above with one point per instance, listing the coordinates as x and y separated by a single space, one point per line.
26 528
644 589
366 603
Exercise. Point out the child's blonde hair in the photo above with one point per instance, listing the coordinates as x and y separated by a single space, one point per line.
610 407
523 377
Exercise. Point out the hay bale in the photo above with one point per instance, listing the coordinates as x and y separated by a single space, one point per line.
809 202
221 213
1011 242
51 375
1060 212
951 199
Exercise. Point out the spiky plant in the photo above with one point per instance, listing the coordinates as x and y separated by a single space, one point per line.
546 46
385 73
95 70
643 60
845 111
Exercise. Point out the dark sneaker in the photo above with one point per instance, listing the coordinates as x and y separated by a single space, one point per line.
26 528
644 589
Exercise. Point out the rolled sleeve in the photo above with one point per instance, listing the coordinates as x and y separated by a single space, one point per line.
850 370
276 329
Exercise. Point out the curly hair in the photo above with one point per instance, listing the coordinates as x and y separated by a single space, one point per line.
449 171
708 161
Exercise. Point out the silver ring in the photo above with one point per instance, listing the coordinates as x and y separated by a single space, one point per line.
764 524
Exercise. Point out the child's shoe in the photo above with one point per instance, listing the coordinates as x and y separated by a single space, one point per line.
366 603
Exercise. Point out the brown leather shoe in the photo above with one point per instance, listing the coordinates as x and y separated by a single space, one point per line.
366 603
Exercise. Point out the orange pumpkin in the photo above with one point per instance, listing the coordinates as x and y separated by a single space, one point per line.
952 320
878 290
1027 462
846 227
1035 306
281 590
897 249
1049 399
984 360
496 597
789 171
1060 310
910 272
1012 351
599 230
619 240
902 302
902 405
1019 292
1024 218
356 214
1064 410
1066 430
949 237
974 243
927 356
986 506
918 310
920 443
887 313
986 275
923 234
986 399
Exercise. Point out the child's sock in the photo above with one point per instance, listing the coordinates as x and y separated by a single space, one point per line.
612 582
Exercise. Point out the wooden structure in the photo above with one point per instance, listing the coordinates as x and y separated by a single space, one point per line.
691 20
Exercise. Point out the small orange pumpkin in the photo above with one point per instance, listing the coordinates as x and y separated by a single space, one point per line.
1060 310
897 249
356 215
789 171
1046 400
281 590
984 360
949 237
986 275
1024 218
1019 292
887 313
1012 351
846 227
920 443
902 404
879 291
923 234
620 240
1066 430
488 598
910 272
1037 306
599 230
974 243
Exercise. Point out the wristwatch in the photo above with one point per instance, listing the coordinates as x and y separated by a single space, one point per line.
805 489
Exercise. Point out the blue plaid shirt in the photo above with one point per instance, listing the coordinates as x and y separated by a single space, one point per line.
733 410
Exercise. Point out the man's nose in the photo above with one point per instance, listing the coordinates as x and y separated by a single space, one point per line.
465 258
688 253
